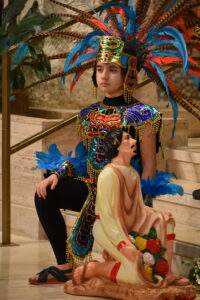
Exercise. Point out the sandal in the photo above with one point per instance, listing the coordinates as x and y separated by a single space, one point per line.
58 276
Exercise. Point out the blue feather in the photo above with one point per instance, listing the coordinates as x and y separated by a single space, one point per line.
81 59
196 81
120 27
161 184
174 33
70 56
130 13
89 40
165 53
12 98
20 53
131 27
171 100
80 150
53 159
80 47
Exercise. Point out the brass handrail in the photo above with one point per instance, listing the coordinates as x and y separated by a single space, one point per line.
38 136
6 211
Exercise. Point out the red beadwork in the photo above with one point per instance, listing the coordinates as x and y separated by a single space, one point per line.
115 269
171 236
121 245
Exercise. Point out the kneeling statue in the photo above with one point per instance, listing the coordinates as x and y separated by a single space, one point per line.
136 240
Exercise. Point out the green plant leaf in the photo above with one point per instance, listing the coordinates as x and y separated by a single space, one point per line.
17 78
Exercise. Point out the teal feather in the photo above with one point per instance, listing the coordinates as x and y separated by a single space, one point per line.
20 53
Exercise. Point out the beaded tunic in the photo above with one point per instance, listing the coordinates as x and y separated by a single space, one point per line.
99 117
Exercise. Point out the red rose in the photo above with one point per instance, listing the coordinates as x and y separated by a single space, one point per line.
161 267
153 246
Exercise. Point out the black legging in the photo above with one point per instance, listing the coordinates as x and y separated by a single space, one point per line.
70 194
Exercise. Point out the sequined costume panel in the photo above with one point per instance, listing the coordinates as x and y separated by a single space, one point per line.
98 117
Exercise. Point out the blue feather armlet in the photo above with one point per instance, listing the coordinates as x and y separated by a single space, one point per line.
53 159
161 184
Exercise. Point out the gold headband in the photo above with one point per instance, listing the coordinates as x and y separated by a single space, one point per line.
110 50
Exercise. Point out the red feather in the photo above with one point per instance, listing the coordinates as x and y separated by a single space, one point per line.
101 25
119 11
194 72
74 80
165 60
193 61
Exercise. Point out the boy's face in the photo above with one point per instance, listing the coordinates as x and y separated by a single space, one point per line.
109 79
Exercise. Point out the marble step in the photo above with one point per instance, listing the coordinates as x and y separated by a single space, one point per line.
186 212
194 142
188 185
184 162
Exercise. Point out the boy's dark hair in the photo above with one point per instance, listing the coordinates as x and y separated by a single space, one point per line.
94 79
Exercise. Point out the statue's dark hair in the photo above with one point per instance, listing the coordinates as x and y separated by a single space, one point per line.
111 143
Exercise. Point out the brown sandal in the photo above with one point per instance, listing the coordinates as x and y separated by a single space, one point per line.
58 276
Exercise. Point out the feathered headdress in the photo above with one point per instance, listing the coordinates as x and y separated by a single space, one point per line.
125 34
135 37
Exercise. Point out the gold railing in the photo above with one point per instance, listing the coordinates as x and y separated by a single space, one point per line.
6 215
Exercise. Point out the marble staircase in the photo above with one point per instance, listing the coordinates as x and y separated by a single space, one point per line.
184 162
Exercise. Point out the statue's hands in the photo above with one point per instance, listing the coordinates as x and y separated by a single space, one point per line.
130 252
41 187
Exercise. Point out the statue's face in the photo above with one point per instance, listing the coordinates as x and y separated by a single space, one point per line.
127 146
109 79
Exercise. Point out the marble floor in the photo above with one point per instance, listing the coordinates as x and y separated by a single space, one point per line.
18 262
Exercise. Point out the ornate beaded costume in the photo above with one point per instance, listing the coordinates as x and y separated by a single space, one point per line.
126 35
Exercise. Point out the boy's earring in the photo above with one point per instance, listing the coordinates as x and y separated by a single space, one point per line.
127 95
95 91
